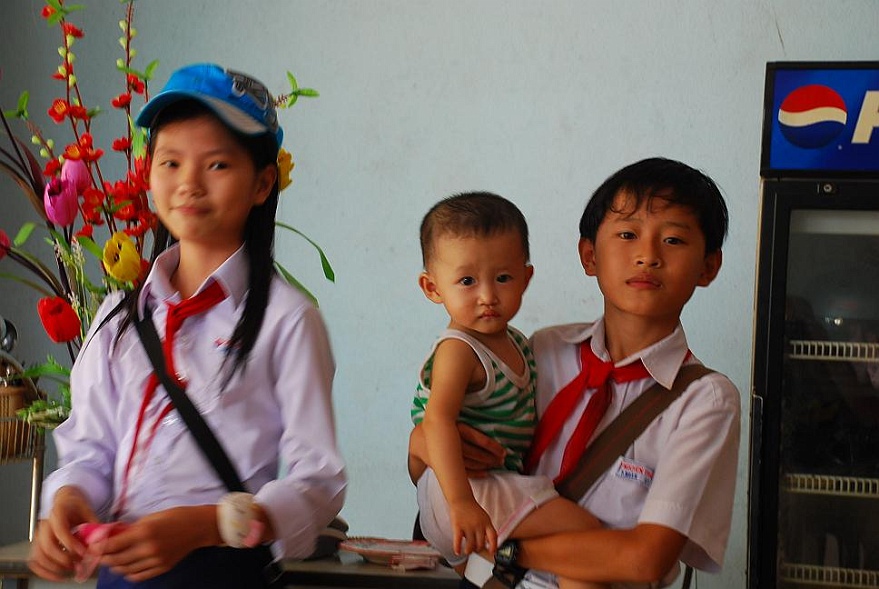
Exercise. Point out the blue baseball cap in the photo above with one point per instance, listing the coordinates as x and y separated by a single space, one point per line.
240 101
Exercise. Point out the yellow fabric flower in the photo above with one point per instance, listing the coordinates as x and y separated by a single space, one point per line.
285 167
121 258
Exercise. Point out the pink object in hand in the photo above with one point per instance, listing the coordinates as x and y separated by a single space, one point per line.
94 536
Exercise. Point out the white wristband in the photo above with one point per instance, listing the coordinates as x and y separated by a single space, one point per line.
236 520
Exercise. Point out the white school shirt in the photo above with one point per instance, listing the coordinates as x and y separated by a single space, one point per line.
275 417
680 473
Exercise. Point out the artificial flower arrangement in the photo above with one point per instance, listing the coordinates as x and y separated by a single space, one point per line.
74 199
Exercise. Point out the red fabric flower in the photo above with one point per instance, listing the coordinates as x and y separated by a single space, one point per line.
59 319
136 84
52 168
71 30
121 144
88 230
47 12
122 100
4 244
79 112
92 199
59 110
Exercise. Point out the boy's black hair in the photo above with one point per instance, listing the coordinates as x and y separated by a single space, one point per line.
469 214
666 179
259 235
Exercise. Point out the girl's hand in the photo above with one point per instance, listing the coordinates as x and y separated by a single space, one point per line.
154 544
55 551
471 528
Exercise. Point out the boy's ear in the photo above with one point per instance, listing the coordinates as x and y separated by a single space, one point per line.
428 287
265 181
587 255
710 268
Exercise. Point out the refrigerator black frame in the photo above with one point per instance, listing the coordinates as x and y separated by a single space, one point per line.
780 197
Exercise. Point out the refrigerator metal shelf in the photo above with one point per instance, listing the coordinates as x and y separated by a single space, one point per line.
818 576
831 350
813 484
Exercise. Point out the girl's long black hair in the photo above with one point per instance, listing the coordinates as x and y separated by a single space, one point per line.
259 237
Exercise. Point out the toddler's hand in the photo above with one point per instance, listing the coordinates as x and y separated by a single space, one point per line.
472 528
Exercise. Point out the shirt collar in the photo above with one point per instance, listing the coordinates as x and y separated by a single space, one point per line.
233 276
662 359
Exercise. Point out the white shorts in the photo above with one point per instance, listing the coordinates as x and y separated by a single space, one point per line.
507 497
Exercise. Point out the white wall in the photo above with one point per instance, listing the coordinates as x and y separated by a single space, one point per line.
538 101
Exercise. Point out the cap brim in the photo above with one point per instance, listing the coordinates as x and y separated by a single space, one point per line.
233 117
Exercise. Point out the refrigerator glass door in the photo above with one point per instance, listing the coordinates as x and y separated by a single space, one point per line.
828 517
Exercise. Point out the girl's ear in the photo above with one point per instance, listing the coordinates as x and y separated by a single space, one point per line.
265 181
428 287
587 255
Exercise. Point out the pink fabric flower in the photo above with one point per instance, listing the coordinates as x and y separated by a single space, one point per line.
61 202
77 175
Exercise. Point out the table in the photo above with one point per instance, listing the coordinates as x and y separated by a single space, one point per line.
345 570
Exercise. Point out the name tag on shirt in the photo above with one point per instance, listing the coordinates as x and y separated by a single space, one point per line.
630 470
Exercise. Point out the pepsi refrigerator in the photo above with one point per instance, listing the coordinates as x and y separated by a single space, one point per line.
813 500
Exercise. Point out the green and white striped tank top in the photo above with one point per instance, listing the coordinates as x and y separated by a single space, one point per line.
504 408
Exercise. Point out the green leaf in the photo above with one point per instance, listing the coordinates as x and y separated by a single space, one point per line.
150 69
58 239
21 109
24 233
310 92
90 246
138 139
324 262
50 369
30 283
292 280
294 85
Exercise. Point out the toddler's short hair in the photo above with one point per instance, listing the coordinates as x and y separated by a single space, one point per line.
471 214
668 180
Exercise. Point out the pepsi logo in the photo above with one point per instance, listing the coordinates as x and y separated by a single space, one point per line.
812 116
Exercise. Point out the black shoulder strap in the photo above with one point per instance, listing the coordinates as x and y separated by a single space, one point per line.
203 434
207 441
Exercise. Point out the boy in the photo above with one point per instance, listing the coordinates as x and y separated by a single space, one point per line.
480 372
650 235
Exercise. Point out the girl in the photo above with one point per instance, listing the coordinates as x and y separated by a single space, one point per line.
250 350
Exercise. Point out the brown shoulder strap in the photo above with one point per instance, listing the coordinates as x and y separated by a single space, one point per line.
616 437
623 430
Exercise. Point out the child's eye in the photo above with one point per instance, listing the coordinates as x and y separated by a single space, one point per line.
168 164
218 166
626 235
674 240
467 281
503 278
